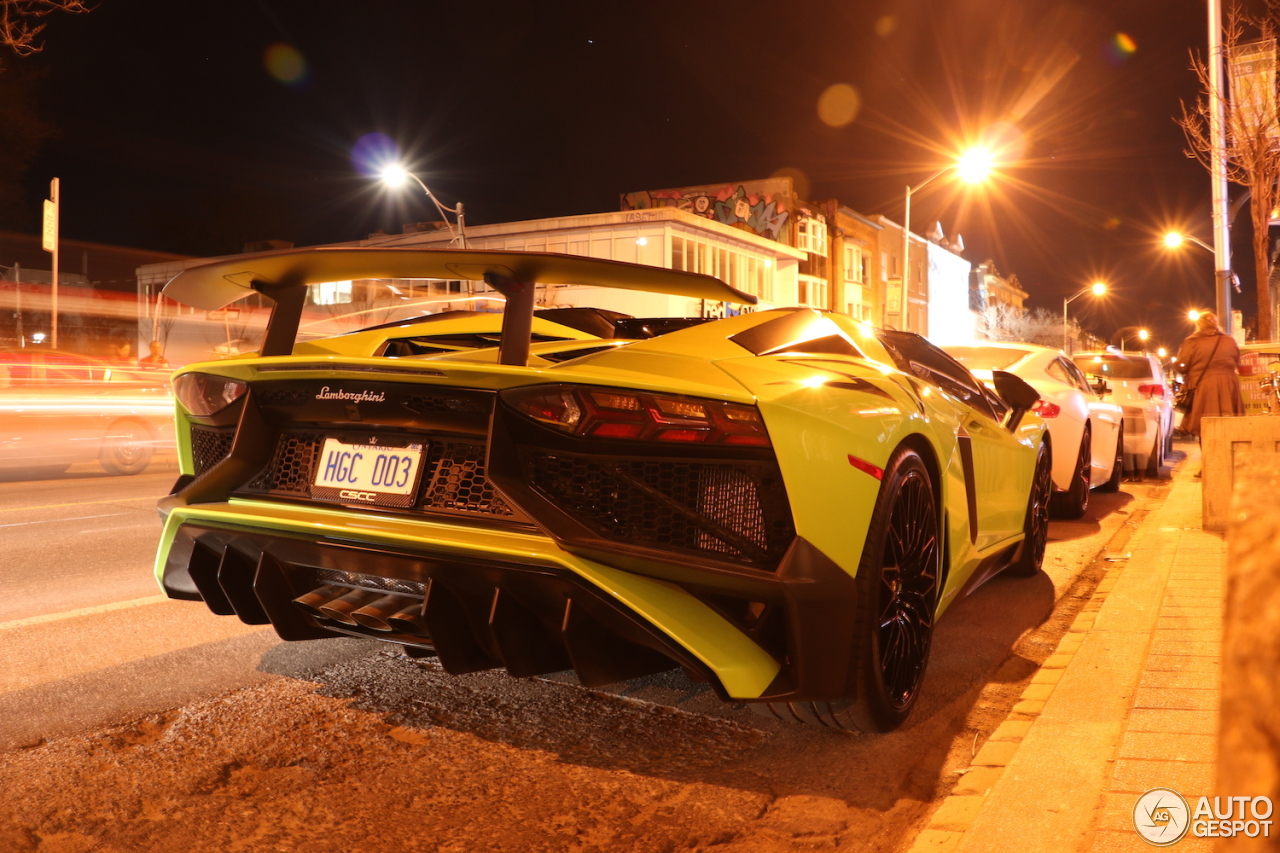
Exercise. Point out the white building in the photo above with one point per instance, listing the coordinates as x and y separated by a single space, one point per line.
950 318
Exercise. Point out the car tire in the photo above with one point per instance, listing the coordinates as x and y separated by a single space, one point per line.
1075 501
898 591
1036 523
1117 470
126 448
1156 456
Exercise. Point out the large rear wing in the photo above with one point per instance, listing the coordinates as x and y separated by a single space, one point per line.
283 276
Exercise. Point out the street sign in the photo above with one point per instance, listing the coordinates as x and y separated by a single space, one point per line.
49 233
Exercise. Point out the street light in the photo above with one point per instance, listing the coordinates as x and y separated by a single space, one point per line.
394 175
973 166
1174 240
1098 288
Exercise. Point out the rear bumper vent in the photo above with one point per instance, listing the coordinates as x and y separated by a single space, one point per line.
727 510
453 481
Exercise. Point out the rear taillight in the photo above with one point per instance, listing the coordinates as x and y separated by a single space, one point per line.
204 394
1045 409
1150 391
613 413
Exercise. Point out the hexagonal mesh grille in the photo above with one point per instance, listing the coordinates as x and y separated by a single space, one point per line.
209 445
458 481
292 464
453 476
734 509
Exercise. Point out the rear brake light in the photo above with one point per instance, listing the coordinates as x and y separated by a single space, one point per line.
1045 409
1150 391
203 394
637 416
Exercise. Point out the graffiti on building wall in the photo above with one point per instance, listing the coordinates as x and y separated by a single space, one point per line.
761 207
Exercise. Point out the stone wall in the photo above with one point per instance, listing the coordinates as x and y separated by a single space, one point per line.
1249 742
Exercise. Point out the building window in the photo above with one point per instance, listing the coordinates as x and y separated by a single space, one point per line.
811 235
332 292
812 291
855 265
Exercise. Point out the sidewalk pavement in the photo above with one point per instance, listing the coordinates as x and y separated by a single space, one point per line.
1127 702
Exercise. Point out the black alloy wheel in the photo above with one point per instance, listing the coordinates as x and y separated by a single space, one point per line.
908 596
1117 470
1075 501
1036 524
897 601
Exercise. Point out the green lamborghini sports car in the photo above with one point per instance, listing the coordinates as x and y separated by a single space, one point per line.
781 503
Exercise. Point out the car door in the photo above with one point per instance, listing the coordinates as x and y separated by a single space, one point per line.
998 496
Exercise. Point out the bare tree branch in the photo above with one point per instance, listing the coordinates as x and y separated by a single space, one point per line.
20 21
1251 149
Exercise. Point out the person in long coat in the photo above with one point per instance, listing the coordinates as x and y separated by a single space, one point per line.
1210 362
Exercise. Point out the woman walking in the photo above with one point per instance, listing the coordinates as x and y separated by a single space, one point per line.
1209 359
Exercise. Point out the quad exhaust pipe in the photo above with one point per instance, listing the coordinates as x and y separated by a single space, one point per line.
365 608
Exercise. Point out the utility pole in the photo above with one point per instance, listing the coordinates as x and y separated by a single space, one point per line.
1218 171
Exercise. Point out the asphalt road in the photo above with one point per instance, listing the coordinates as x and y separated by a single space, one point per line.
93 655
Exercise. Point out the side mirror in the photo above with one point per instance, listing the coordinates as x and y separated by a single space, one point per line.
1100 386
1020 396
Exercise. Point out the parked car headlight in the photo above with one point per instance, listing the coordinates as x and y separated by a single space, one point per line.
204 394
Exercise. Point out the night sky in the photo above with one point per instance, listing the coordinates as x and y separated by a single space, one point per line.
197 126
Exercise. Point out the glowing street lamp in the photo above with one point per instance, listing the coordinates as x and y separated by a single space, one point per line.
1174 240
395 176
973 166
1098 288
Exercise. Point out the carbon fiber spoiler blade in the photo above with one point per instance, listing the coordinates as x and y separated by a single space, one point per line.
284 276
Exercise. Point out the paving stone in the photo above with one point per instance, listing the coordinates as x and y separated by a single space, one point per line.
1028 706
1187 679
1184 647
978 780
1191 611
1108 841
1200 628
1058 661
956 811
1176 698
1167 720
1169 746
1011 730
1188 634
1188 778
1038 691
1184 663
995 754
1069 643
936 841
1047 676
1117 812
